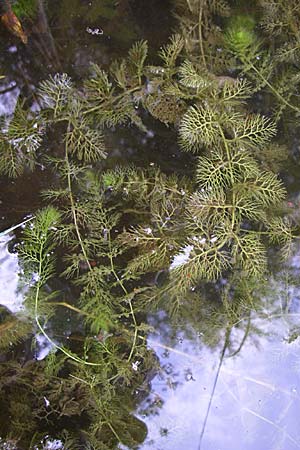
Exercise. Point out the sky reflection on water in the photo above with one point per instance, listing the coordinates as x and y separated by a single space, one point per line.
11 298
255 406
257 397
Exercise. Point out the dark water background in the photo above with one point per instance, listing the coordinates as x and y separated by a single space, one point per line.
256 401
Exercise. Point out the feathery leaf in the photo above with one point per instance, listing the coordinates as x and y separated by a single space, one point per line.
170 52
56 93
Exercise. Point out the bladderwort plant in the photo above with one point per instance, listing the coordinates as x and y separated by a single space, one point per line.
129 240
274 71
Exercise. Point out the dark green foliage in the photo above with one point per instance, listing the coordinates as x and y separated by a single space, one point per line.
12 330
281 19
269 65
25 8
55 399
20 139
240 35
199 29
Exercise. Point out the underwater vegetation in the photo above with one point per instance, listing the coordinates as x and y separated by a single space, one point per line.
112 244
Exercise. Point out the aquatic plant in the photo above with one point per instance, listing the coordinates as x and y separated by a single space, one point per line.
196 21
126 240
266 68
25 8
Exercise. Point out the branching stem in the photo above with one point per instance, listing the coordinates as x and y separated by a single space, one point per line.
111 100
121 284
272 88
231 177
200 32
72 203
36 315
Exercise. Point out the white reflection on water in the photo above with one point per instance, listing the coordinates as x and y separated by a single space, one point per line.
10 294
256 403
10 297
8 99
255 406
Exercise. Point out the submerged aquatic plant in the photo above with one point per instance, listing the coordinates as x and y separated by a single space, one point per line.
266 68
128 239
240 35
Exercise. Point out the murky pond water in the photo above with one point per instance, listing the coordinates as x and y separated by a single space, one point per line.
216 387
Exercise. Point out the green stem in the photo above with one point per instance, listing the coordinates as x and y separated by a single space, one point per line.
126 293
272 88
36 315
111 100
231 177
73 208
200 33
189 5
113 431
102 411
244 338
222 355
67 305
